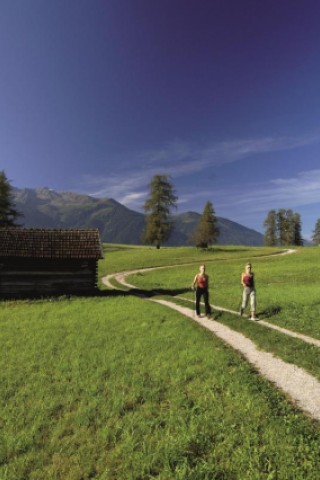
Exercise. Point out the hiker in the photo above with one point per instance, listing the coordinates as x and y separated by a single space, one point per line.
201 281
249 291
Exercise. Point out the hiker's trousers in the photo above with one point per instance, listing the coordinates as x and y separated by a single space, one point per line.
199 293
249 293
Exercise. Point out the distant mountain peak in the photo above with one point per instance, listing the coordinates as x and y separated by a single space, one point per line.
48 208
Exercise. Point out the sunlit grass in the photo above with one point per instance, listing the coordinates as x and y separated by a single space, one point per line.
287 287
122 258
119 388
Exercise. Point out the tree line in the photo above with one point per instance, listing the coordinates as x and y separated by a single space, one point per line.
282 227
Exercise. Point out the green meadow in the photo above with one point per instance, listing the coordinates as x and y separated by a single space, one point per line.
116 387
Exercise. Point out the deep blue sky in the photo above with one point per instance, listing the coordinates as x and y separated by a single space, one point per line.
97 96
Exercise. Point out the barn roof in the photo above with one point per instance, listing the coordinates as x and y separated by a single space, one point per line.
50 243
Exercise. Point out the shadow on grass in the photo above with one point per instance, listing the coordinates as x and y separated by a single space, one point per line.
143 293
270 311
62 295
166 291
216 314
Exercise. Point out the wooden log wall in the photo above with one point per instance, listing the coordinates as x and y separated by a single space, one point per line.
37 277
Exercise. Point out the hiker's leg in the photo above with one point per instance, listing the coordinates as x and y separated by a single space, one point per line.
198 296
245 296
206 302
253 304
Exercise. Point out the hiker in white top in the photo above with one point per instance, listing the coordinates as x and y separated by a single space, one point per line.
249 291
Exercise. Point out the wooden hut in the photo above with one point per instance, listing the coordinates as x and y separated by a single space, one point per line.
39 262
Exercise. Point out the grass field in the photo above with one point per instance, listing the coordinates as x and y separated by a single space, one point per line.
120 388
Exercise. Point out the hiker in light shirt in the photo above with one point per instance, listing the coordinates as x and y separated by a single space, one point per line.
249 291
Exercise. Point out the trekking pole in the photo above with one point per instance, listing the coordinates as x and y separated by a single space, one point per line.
195 300
241 300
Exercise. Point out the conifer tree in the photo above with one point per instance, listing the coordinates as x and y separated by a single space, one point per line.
270 224
283 228
316 233
207 231
298 240
8 213
157 207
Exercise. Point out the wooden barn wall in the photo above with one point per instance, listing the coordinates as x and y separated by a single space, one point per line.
21 276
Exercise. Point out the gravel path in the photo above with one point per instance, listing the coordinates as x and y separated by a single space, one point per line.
301 387
264 323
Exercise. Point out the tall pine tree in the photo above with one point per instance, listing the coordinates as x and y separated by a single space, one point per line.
282 226
8 213
270 224
298 240
316 233
207 231
157 208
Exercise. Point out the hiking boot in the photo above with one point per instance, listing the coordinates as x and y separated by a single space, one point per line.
241 312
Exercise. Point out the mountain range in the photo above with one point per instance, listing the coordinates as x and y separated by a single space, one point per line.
47 208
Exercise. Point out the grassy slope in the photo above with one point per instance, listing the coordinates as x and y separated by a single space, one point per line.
287 286
123 257
119 388
287 291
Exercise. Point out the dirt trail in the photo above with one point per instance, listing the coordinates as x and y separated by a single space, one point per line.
264 323
300 386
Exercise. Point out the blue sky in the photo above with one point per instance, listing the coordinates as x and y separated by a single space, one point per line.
223 95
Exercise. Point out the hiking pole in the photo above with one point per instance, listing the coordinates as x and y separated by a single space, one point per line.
195 300
241 309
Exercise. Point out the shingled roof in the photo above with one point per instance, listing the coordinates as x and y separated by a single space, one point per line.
50 243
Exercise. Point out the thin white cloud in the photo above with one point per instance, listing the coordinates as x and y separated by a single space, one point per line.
117 186
302 190
181 158
134 198
251 205
130 178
